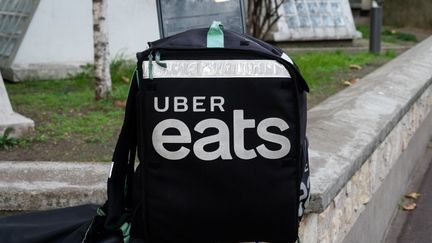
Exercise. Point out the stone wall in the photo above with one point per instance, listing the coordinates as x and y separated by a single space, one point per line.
365 143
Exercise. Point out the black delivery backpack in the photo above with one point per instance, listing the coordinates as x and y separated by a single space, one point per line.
218 121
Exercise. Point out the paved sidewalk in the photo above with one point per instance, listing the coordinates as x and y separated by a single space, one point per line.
418 225
414 226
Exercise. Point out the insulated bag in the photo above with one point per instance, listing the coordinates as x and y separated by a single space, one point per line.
218 122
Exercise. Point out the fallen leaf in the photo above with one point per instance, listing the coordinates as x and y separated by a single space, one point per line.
364 199
413 195
120 103
353 80
409 206
347 83
355 67
125 79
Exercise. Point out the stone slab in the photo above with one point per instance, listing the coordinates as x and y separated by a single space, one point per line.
45 71
345 129
9 118
361 210
377 215
5 107
42 185
314 20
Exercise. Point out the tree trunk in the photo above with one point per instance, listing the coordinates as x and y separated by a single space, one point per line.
262 15
101 50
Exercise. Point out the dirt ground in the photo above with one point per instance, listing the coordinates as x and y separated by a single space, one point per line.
72 149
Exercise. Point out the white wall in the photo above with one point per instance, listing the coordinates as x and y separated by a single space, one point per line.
61 31
132 23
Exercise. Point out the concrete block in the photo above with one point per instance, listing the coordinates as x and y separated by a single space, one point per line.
373 222
8 118
375 134
361 211
355 121
42 185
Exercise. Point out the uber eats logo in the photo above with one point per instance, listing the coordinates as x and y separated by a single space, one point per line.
222 137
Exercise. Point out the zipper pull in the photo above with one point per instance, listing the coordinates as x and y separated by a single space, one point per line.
150 66
158 61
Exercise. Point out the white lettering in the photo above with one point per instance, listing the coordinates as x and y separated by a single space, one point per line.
274 138
240 124
180 104
214 103
222 138
223 135
156 105
197 103
158 139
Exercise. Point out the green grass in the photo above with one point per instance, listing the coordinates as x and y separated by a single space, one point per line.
390 36
7 141
394 36
320 69
364 30
65 108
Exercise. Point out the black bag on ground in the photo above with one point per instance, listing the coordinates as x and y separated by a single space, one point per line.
65 225
218 121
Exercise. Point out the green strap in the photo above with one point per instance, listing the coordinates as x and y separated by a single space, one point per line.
100 212
215 35
125 228
158 61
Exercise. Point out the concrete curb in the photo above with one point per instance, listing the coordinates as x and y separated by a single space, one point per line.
355 121
42 185
359 45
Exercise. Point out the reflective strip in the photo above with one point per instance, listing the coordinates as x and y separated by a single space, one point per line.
217 69
110 172
287 58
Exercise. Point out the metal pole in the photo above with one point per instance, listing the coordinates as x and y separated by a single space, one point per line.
375 29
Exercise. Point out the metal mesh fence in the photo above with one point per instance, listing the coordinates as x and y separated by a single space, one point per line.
14 18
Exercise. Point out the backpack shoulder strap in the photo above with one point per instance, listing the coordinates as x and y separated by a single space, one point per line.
119 204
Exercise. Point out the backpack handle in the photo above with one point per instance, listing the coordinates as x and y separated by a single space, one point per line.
215 35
